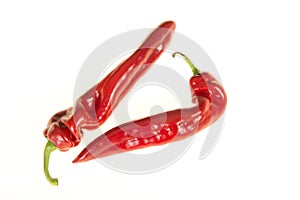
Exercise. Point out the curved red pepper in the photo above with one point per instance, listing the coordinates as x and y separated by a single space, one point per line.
64 129
166 127
95 106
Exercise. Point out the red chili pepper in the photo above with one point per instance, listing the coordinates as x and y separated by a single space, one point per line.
165 127
64 129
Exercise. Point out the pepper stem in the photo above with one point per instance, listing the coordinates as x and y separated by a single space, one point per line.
195 70
49 148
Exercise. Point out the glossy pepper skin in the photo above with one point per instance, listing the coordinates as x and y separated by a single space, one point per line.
163 128
92 109
65 129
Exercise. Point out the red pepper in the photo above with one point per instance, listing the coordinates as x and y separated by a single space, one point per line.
64 129
165 127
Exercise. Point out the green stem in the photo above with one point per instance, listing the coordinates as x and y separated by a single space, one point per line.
49 148
192 66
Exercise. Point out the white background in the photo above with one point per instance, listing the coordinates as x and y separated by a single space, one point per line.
255 46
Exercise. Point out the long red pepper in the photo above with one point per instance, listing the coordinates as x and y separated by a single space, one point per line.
166 127
64 129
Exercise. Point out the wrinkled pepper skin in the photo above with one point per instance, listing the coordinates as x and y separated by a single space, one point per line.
65 128
163 128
